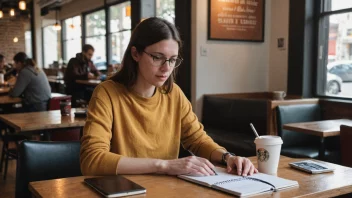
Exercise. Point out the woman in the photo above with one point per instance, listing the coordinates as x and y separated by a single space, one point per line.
8 71
31 83
138 119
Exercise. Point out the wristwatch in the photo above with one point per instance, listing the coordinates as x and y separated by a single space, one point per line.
223 158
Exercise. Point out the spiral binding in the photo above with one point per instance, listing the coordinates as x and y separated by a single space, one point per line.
247 178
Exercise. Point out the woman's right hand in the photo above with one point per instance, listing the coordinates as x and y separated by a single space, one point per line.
192 165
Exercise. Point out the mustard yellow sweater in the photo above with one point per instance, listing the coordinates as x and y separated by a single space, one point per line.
121 123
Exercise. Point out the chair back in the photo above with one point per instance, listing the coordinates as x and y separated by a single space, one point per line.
54 103
346 146
293 114
61 135
45 160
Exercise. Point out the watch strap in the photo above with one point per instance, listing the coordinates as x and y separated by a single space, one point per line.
223 158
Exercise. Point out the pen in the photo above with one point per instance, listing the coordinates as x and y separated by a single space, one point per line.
190 152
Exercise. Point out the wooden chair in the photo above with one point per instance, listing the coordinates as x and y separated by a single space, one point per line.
9 148
346 146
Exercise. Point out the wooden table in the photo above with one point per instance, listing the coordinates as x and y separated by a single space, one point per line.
89 82
40 121
320 185
324 128
10 100
4 90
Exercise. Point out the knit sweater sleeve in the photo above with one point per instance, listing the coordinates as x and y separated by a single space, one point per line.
23 79
95 155
193 136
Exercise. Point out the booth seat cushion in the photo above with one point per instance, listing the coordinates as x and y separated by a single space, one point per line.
232 114
239 143
304 152
298 113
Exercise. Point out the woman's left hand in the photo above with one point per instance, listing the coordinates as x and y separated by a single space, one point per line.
240 165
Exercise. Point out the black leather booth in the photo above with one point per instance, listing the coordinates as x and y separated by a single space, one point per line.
45 160
300 145
227 121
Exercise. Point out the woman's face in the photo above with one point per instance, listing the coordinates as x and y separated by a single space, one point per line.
18 65
151 71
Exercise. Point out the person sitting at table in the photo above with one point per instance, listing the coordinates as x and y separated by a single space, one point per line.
80 68
8 71
32 84
138 119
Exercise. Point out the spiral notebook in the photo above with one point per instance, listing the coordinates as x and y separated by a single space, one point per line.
242 186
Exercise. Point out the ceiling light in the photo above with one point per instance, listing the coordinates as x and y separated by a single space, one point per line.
57 26
22 5
1 14
12 12
15 40
72 26
128 11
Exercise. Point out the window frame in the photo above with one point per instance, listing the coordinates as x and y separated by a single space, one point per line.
63 33
59 45
110 33
322 48
106 8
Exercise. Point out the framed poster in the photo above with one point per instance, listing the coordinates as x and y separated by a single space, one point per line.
236 20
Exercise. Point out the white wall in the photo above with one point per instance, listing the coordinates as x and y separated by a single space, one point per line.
230 66
278 62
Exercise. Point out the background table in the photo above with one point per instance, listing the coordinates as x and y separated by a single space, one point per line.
323 128
40 121
320 185
89 82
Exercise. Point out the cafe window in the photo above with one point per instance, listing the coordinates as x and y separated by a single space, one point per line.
166 9
28 43
72 41
335 49
120 30
51 47
96 36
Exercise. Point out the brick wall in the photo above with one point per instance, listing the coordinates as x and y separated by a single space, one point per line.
9 29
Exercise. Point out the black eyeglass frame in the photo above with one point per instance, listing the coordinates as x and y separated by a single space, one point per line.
155 57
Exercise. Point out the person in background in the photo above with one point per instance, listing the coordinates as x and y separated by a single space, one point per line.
8 71
80 68
138 120
32 84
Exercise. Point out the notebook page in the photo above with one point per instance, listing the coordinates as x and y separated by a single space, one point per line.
210 180
245 186
238 185
278 182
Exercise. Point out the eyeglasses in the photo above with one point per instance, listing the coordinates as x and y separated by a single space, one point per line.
160 61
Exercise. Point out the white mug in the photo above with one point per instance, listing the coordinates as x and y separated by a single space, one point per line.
2 80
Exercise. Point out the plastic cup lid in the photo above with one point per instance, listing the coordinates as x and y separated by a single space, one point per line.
268 140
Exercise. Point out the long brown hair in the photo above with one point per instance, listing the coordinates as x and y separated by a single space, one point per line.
23 58
146 33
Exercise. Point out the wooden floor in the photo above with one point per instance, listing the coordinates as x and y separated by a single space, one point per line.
7 188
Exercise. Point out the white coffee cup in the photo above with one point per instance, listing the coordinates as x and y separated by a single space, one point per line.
268 148
2 81
278 95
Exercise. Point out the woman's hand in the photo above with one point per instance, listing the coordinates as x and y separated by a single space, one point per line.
192 165
240 165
